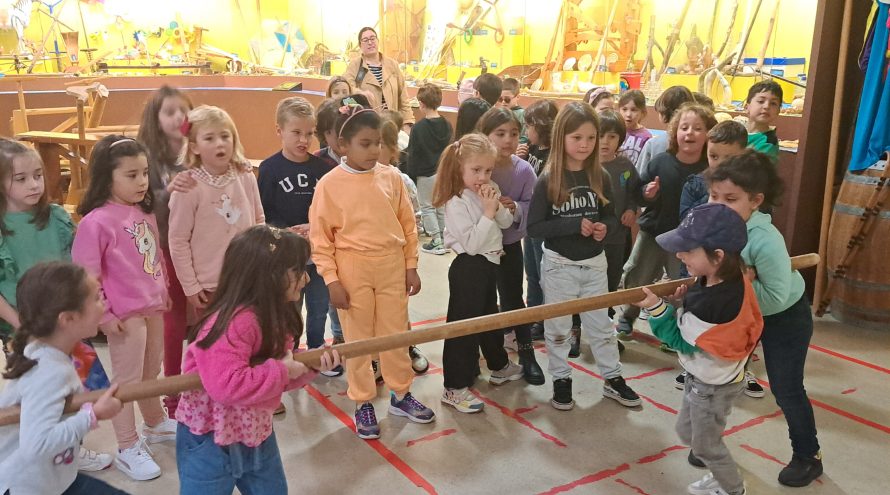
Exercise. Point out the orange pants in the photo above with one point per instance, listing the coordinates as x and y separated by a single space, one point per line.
378 306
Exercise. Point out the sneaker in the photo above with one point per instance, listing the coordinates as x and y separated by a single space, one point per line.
615 388
752 388
435 246
695 461
624 327
165 431
537 331
510 342
562 394
575 350
419 363
366 426
509 373
136 462
333 372
680 381
410 408
279 410
378 375
90 461
801 471
704 486
463 400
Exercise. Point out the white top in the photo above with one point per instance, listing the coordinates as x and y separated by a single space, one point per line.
468 230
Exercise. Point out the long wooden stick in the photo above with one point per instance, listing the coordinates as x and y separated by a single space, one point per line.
769 34
674 38
173 385
599 53
745 35
833 149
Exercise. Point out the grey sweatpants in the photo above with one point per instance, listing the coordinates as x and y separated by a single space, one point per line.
433 218
701 423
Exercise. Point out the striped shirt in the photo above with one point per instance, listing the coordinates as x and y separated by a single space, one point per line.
377 70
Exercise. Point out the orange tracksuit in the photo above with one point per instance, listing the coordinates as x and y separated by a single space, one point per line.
363 233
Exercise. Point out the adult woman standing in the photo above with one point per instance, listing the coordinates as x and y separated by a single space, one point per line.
380 77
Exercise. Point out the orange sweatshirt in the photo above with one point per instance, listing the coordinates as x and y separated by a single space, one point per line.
366 212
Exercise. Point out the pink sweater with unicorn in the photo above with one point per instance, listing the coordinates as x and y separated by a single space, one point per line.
119 244
239 395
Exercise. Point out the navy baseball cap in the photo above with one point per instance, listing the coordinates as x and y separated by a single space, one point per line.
710 226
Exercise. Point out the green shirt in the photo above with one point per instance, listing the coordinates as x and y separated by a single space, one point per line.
777 286
766 143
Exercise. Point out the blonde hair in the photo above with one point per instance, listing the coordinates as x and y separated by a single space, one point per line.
568 120
449 178
206 115
700 111
295 107
389 134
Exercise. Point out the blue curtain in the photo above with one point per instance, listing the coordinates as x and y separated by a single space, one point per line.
872 135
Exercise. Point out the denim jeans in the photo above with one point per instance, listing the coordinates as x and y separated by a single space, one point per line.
315 297
565 282
533 250
433 218
206 468
786 339
336 329
87 485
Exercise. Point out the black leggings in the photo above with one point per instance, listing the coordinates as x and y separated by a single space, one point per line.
509 281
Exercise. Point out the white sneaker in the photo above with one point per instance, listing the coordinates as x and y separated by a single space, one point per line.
704 486
510 373
165 431
136 462
463 400
90 461
510 342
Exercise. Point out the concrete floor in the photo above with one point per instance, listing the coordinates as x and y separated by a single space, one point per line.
520 444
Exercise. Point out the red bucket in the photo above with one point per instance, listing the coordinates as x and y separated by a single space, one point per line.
630 80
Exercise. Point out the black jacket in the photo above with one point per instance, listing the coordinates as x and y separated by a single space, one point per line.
428 138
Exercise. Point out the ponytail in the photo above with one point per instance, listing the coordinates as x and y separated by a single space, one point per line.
449 178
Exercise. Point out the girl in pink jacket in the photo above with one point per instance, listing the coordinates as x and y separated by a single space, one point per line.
241 350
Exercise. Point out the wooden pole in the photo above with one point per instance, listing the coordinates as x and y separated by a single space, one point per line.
673 38
176 384
833 150
602 49
740 55
769 34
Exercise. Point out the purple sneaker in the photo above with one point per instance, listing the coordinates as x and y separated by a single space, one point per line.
366 422
410 408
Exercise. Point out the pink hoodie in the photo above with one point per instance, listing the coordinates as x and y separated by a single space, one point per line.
119 244
238 399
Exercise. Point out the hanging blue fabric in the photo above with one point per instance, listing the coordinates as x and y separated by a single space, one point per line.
872 135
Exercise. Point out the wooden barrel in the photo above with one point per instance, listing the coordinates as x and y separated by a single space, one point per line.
862 298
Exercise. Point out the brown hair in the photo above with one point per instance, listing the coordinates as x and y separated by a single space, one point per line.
430 96
729 132
389 137
326 119
255 276
160 155
541 115
362 31
104 158
335 81
570 118
670 101
610 121
731 267
702 112
634 96
752 171
295 107
495 117
449 178
205 115
511 84
489 87
44 292
10 149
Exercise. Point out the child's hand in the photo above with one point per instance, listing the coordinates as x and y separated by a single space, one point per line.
676 299
586 227
301 230
295 369
628 218
652 189
599 231
199 300
650 300
107 406
338 294
508 204
113 327
412 281
489 199
522 150
329 360
183 182
751 274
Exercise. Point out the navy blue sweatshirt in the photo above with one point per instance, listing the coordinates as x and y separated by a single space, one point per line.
287 188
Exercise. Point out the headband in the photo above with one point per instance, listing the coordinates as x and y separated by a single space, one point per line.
351 108
119 141
596 92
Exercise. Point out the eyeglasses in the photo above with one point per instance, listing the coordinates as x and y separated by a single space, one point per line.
505 99
369 39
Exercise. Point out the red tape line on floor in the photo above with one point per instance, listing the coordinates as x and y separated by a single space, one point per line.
632 487
593 478
390 456
506 411
431 436
850 359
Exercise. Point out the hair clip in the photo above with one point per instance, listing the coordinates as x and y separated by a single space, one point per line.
186 127
276 233
456 146
119 141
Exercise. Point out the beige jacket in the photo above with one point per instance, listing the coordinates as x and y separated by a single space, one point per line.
393 89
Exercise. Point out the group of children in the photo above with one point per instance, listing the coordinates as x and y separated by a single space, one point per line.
177 232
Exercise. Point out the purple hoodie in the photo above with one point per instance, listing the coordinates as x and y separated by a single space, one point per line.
517 182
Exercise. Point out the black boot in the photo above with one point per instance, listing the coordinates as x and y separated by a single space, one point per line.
530 369
801 471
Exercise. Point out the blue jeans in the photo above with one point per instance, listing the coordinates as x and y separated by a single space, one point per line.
206 468
533 250
786 339
87 485
336 329
316 299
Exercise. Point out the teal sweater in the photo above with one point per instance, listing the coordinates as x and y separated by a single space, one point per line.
777 286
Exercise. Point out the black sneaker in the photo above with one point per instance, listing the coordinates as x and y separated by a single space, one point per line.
680 381
537 331
419 363
615 388
801 471
695 461
575 351
562 394
752 388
